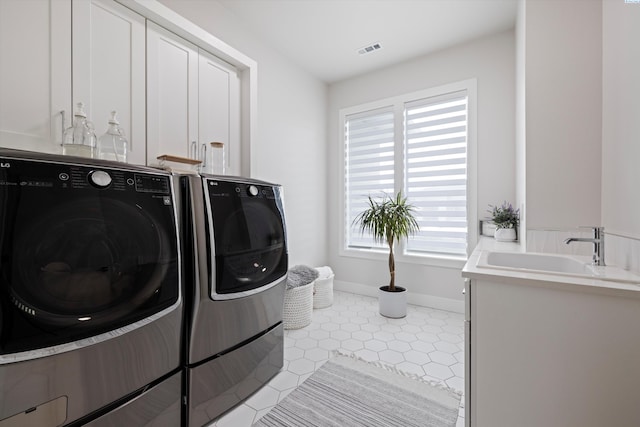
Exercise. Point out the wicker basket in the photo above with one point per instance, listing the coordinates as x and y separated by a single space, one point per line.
323 292
298 306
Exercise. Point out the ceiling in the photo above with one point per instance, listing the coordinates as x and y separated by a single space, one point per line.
324 36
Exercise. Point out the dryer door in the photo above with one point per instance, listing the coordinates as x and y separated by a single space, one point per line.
249 237
81 257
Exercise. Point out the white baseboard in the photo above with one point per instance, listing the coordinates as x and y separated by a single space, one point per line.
423 300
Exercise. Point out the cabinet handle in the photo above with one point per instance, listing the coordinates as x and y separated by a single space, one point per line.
203 156
62 118
194 150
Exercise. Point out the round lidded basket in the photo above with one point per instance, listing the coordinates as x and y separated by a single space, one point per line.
323 292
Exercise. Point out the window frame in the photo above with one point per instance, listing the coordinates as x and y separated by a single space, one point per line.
397 103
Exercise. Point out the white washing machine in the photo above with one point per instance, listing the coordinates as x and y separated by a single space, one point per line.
234 293
90 293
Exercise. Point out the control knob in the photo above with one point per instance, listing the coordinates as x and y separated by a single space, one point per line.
100 179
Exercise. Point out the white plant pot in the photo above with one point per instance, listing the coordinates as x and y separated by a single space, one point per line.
505 234
392 304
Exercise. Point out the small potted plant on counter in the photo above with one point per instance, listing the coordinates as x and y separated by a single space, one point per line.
506 220
389 221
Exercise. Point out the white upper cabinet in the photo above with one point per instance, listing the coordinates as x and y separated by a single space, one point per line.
172 94
109 69
35 73
43 43
219 108
192 97
168 92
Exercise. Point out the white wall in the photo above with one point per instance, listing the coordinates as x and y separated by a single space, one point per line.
582 57
621 118
621 133
563 57
491 61
289 146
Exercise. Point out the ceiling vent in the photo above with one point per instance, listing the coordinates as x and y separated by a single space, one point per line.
368 49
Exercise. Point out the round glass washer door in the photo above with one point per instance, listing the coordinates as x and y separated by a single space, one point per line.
91 259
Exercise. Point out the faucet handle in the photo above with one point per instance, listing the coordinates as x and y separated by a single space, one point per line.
591 227
597 231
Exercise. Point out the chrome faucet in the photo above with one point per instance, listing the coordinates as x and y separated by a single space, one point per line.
598 244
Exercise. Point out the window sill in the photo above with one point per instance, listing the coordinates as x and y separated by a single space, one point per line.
432 260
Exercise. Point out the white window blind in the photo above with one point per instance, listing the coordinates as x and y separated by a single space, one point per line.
436 172
369 167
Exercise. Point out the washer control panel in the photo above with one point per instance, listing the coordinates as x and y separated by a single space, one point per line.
50 175
99 178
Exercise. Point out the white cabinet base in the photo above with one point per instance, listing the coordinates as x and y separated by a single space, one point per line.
555 358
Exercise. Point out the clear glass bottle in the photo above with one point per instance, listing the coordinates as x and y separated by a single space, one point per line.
113 144
216 159
80 139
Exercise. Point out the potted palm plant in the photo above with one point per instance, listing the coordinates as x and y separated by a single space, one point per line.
389 220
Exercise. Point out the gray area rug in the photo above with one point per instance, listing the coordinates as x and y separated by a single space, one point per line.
347 392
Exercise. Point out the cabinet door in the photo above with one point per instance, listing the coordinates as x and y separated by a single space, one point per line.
218 107
468 291
109 68
35 73
172 94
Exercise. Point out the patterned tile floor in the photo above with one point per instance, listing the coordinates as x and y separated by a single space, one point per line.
427 342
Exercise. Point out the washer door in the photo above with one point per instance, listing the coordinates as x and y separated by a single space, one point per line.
80 257
85 262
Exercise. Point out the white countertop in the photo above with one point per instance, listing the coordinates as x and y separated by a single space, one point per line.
547 279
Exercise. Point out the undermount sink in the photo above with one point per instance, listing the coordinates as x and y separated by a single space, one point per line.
535 261
554 264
